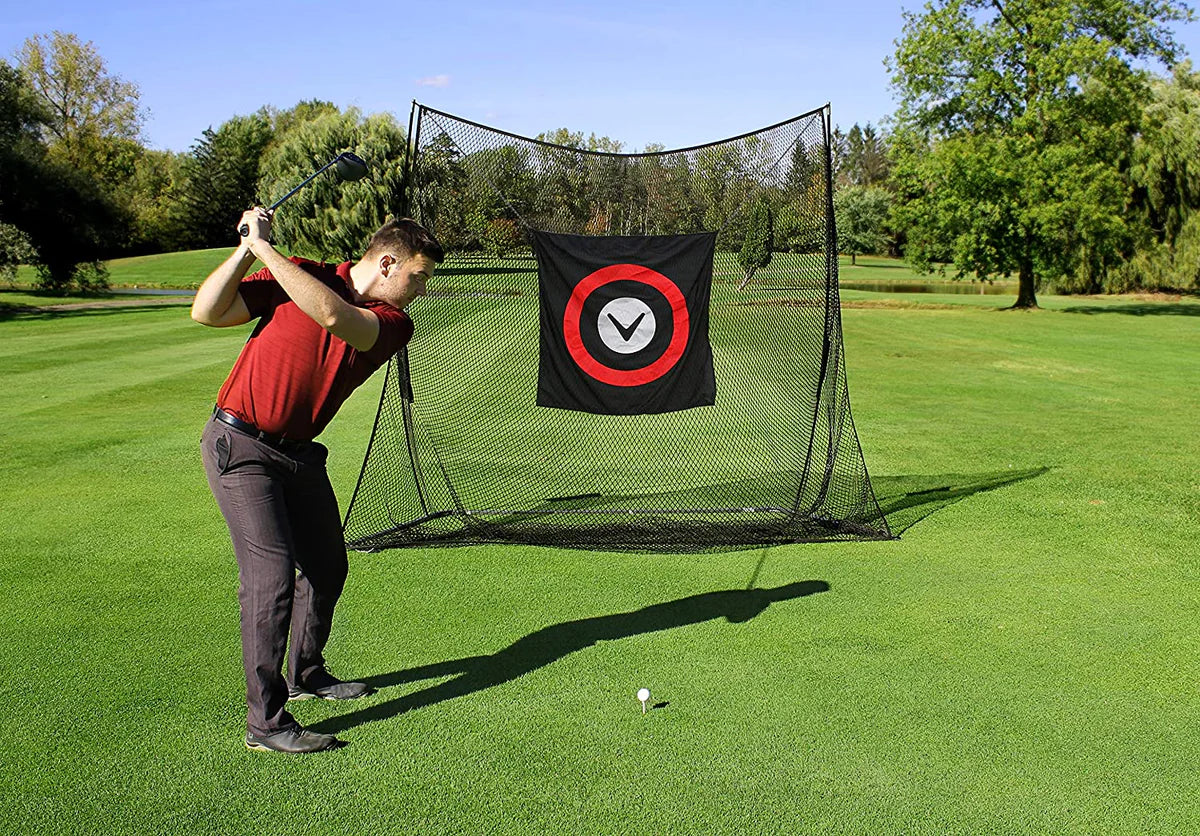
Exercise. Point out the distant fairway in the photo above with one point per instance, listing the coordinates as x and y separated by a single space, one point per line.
184 270
1025 659
188 269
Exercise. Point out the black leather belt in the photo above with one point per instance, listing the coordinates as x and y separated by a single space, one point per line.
246 428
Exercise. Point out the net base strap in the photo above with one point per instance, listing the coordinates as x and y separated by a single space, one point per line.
661 512
783 522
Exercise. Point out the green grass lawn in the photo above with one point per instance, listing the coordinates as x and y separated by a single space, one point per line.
1024 659
175 270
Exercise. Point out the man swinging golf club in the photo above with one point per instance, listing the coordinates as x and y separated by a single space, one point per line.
322 331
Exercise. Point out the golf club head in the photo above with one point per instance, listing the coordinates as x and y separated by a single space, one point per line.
350 166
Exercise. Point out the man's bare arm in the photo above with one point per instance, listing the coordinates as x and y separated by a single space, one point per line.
357 326
218 302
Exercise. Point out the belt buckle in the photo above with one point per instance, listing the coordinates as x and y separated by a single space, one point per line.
271 440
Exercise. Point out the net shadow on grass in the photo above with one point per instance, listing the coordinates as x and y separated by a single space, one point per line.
549 644
906 500
1147 309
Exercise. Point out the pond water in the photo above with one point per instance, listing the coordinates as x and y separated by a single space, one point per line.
151 291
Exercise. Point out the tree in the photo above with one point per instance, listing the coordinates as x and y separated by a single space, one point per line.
15 249
328 218
438 196
20 121
866 162
722 181
1166 178
220 181
860 215
21 115
152 194
92 120
503 189
1014 118
53 214
799 227
760 241
807 168
839 152
673 205
564 194
283 122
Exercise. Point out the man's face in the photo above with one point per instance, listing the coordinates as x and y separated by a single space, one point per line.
404 280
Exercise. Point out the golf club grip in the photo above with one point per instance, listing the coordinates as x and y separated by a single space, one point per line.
244 229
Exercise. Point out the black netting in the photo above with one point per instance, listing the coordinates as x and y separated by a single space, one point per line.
461 453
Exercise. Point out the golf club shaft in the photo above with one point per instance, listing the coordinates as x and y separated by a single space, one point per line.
307 180
245 230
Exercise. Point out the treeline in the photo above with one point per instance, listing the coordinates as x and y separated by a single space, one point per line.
1127 223
479 190
78 186
1028 142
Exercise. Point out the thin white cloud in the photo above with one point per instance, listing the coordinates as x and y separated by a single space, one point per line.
434 81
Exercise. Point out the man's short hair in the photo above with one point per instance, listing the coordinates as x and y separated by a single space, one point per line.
405 237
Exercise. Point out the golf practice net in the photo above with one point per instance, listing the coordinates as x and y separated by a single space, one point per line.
595 366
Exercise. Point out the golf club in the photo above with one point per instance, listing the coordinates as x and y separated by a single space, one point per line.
348 166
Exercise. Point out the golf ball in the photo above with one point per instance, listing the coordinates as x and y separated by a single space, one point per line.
644 694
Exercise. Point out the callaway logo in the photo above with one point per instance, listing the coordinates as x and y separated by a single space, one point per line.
622 338
626 333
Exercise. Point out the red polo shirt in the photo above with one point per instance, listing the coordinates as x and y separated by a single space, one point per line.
292 375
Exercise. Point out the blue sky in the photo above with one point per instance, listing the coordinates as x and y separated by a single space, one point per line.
678 73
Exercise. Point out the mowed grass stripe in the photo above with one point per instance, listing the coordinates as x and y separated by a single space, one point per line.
76 341
176 348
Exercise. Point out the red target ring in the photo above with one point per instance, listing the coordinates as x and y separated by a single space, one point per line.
632 273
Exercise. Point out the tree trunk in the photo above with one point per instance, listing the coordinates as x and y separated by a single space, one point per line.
1026 297
749 275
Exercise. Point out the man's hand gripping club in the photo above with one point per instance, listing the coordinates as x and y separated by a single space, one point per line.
357 326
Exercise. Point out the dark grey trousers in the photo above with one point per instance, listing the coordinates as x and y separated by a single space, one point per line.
286 529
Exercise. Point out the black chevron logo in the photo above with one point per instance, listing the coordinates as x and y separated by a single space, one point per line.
626 333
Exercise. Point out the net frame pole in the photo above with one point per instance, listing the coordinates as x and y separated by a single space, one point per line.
828 386
358 484
409 165
400 361
830 279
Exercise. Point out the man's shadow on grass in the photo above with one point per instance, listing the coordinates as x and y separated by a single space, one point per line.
549 644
